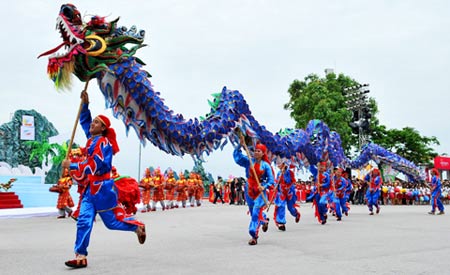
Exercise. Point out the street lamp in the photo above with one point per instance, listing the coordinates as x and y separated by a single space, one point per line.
357 102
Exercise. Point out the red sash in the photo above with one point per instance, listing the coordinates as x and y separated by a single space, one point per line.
96 182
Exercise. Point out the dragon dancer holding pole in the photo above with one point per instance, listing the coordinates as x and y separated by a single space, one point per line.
285 196
259 177
100 196
321 193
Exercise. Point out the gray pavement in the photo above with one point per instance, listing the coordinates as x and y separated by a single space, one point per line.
212 239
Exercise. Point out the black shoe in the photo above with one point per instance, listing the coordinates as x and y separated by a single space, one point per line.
441 213
431 212
297 218
140 231
265 226
282 227
252 242
77 263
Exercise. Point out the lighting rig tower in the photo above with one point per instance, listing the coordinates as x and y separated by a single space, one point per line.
358 102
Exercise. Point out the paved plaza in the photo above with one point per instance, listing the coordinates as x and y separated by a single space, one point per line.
212 239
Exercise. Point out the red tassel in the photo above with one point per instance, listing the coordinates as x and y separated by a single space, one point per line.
111 136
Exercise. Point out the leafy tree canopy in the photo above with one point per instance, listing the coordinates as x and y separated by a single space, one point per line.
324 99
407 143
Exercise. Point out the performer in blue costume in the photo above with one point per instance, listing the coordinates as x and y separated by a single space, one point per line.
100 195
348 190
321 192
373 191
435 188
339 200
285 196
254 192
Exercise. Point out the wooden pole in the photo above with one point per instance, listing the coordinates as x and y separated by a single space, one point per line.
276 187
271 200
69 148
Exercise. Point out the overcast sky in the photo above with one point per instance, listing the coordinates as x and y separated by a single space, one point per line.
401 48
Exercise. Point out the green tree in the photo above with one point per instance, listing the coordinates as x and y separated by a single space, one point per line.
406 142
324 99
44 152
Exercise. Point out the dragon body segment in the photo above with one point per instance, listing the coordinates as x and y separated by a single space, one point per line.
97 49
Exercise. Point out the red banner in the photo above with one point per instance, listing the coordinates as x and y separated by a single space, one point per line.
442 163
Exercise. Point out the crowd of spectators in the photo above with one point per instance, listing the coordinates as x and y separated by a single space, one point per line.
397 192
231 191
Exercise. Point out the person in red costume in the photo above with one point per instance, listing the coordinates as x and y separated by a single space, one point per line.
211 192
65 201
145 184
170 185
158 189
181 190
373 191
255 188
285 196
199 190
99 196
76 155
191 187
321 192
226 191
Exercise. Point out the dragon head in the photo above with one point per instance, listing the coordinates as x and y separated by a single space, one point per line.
88 48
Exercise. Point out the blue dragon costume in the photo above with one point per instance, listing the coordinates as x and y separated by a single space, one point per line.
98 49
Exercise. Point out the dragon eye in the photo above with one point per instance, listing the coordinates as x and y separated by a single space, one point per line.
67 11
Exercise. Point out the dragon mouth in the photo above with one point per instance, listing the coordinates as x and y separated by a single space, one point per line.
72 36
